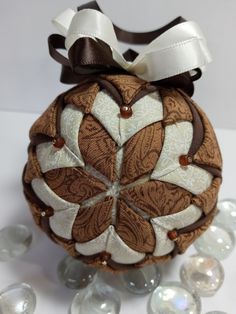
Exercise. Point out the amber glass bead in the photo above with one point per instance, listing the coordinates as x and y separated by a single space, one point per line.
185 160
58 142
172 235
48 212
104 258
126 112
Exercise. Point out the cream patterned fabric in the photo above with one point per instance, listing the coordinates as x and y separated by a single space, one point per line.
51 158
43 192
178 139
94 246
62 222
110 242
191 178
146 111
71 119
162 225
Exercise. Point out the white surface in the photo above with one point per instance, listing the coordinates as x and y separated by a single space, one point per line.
38 266
25 26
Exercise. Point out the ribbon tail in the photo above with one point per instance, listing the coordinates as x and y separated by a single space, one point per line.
170 61
62 21
55 42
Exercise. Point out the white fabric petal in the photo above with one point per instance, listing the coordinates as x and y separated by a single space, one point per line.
62 222
178 139
110 242
94 246
163 224
106 110
191 178
120 251
119 161
164 245
146 111
43 191
51 158
71 119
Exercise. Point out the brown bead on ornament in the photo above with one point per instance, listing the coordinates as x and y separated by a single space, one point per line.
126 112
58 142
172 234
185 160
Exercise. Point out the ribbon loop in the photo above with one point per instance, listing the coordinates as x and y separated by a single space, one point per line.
92 45
56 42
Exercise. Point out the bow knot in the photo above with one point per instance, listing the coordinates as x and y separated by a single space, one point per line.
92 45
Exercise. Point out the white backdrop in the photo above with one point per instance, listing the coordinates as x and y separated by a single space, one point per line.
29 78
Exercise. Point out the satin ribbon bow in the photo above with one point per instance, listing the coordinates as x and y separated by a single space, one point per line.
92 45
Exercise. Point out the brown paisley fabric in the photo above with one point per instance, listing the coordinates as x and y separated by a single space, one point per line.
141 153
83 97
209 152
73 184
46 124
68 245
127 85
92 221
158 198
207 200
175 107
32 168
97 147
186 239
36 213
136 232
150 259
41 222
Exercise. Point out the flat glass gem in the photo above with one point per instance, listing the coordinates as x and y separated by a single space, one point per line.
14 241
203 274
74 274
17 299
227 214
143 280
174 298
96 299
216 241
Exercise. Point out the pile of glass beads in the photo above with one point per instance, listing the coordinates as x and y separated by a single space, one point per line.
201 275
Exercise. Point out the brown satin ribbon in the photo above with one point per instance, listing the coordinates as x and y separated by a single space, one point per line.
87 57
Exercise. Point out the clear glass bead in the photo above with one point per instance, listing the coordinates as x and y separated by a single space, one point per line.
216 241
17 299
227 214
143 280
14 241
174 298
74 274
96 299
203 274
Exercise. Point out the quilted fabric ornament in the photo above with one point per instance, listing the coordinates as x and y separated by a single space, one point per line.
123 170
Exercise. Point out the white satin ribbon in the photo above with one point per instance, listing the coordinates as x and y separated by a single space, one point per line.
180 49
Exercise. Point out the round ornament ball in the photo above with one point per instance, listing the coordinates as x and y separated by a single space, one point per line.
123 173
